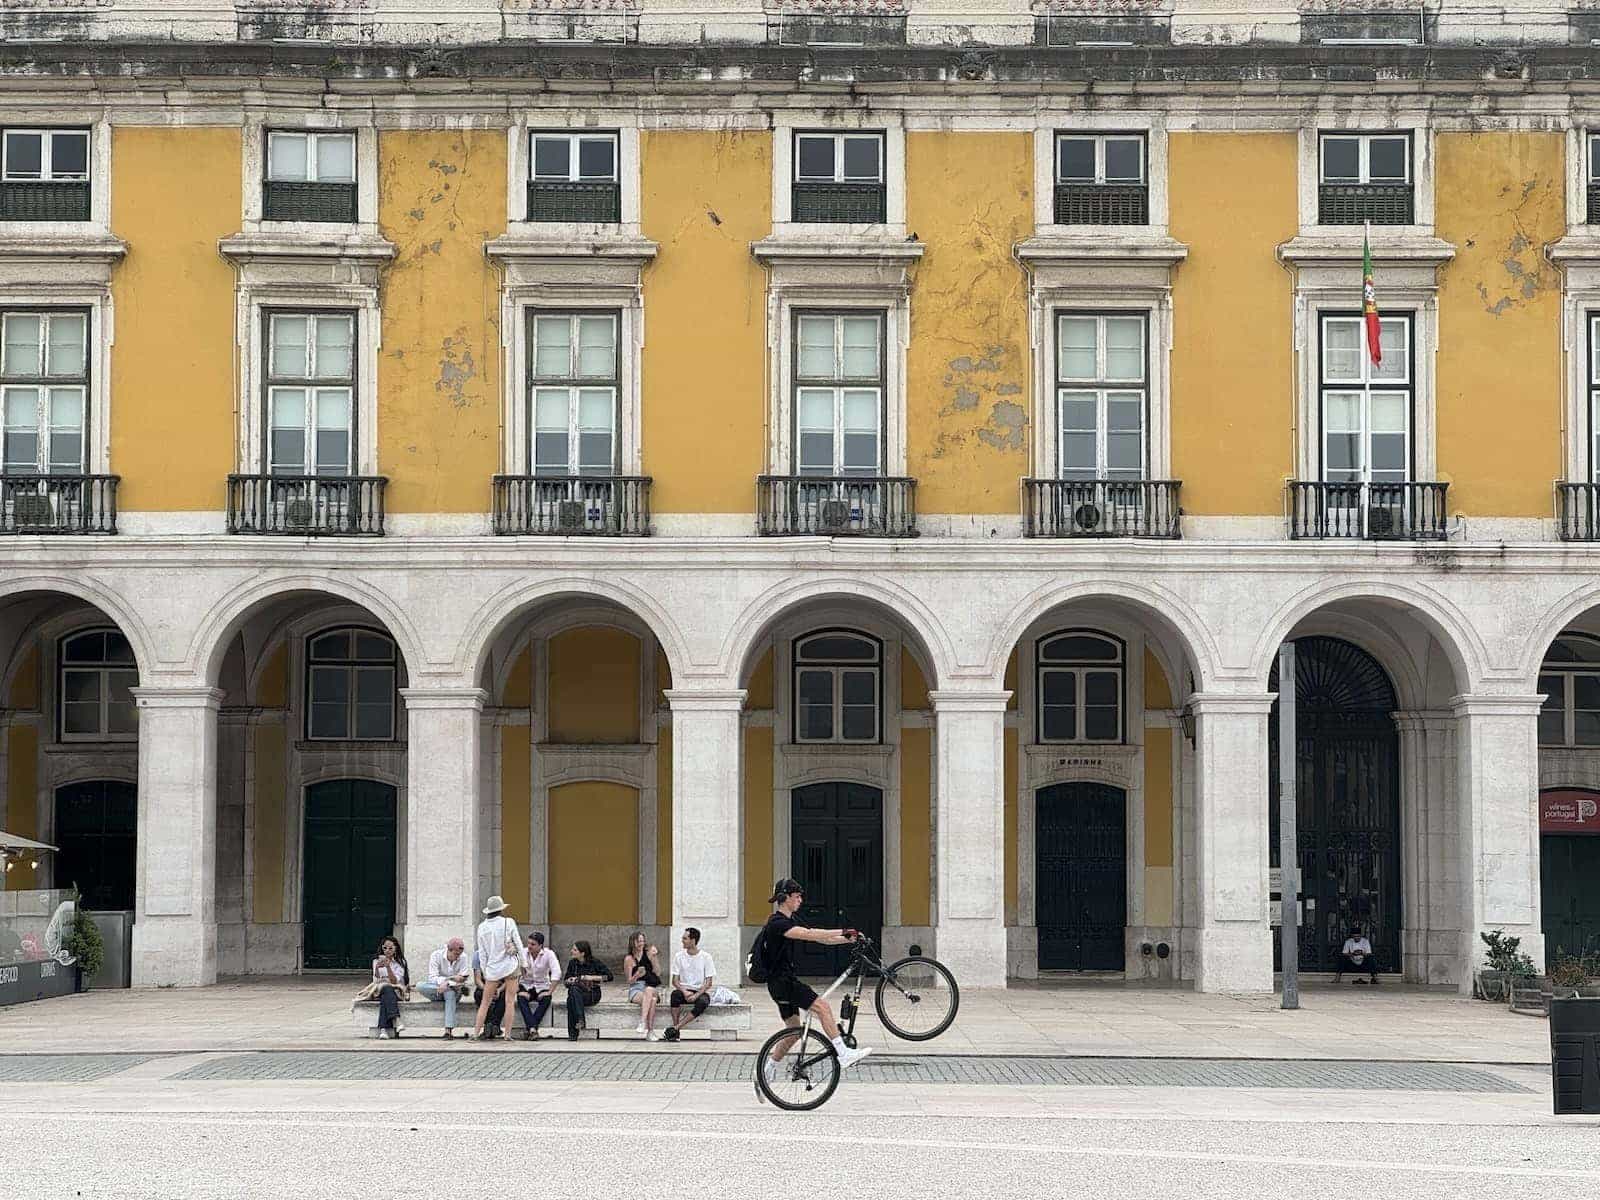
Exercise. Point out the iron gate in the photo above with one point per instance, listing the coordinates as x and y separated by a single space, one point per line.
1081 876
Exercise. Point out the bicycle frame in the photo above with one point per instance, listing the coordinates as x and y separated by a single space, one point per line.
862 963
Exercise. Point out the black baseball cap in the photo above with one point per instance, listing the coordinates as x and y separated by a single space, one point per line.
784 887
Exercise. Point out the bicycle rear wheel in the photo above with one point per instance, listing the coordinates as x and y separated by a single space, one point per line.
916 998
806 1074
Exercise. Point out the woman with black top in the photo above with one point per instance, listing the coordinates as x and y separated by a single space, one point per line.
642 969
583 977
390 978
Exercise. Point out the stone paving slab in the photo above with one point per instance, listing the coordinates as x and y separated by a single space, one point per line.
66 1068
1032 1071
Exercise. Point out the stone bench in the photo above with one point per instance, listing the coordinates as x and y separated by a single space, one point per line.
723 1022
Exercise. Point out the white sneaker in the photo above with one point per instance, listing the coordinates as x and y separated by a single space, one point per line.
770 1070
383 1034
639 1028
654 1035
399 1028
849 1058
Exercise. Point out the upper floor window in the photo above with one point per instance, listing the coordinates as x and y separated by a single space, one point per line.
44 390
838 687
574 177
1102 390
310 385
97 673
1594 397
574 387
1101 179
310 177
1366 407
1364 177
839 177
1592 158
1080 687
839 393
350 686
44 175
1569 681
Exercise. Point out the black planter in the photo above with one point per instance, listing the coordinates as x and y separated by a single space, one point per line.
1575 1056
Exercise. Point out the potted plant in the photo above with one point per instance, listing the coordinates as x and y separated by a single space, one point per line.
1568 974
86 946
1505 965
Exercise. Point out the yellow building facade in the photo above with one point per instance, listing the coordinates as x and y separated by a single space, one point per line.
898 472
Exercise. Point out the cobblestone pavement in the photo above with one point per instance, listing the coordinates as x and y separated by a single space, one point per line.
589 1067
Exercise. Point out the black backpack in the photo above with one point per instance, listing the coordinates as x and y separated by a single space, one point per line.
755 965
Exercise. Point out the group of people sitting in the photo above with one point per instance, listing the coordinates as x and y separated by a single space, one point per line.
506 969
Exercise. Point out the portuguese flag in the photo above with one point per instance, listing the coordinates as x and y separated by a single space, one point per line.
1369 300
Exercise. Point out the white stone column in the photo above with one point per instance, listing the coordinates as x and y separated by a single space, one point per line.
1430 870
175 917
969 857
707 825
442 832
1497 744
1234 941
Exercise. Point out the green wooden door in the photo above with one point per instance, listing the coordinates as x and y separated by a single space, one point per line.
349 871
1570 867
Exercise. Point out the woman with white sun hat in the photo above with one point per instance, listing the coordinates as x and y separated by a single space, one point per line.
500 959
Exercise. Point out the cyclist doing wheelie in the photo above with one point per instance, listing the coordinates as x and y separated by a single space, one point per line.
792 996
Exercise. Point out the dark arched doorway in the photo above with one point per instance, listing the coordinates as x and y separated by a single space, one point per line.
1081 877
837 851
1347 800
349 871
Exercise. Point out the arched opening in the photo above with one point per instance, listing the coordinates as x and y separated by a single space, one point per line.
1347 800
1569 792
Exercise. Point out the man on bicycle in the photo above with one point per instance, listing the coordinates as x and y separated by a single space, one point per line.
784 986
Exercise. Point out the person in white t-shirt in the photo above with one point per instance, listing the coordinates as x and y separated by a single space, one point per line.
1357 956
694 978
499 960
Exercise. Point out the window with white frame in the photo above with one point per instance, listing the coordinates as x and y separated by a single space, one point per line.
839 393
311 176
1594 397
1592 178
839 177
96 673
1080 687
574 176
1364 178
44 175
1102 394
838 687
574 388
1366 407
1101 179
44 382
351 676
310 390
1569 681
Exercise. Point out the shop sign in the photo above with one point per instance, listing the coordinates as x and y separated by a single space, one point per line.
1569 812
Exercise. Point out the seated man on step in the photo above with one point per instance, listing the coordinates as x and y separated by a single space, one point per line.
1357 956
449 978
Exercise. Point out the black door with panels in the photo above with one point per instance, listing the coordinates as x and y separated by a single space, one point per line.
95 827
349 871
1081 877
836 848
1569 868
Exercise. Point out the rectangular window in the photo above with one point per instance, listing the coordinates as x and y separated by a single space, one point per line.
574 177
44 175
1594 397
310 393
1080 705
839 393
1364 177
44 391
310 177
1101 179
1592 176
839 178
1102 394
1571 712
1366 407
573 374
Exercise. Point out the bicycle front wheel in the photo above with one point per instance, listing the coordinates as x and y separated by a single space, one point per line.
797 1075
917 998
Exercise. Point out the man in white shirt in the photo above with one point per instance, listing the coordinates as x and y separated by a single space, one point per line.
1357 956
449 977
539 977
694 977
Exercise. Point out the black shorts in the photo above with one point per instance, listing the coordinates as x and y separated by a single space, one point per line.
699 1005
791 996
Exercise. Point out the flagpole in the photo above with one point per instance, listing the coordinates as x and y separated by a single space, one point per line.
1366 383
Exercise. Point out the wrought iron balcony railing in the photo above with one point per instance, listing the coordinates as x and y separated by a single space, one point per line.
1101 508
284 200
1397 512
1357 203
1578 512
572 505
845 203
306 505
599 202
58 503
836 506
1102 204
44 200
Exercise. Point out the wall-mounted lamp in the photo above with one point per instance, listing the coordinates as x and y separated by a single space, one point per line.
1186 722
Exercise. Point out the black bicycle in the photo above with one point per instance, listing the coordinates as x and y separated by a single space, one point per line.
916 999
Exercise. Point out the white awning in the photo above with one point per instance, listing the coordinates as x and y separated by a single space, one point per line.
11 841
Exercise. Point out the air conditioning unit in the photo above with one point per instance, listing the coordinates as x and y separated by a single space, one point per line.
1386 520
835 514
1088 517
569 516
299 514
33 510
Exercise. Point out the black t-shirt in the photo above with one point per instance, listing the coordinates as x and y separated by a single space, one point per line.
780 950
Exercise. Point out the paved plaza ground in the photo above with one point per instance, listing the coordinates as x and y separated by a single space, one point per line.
263 1088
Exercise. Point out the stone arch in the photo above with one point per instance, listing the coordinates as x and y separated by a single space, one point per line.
127 619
